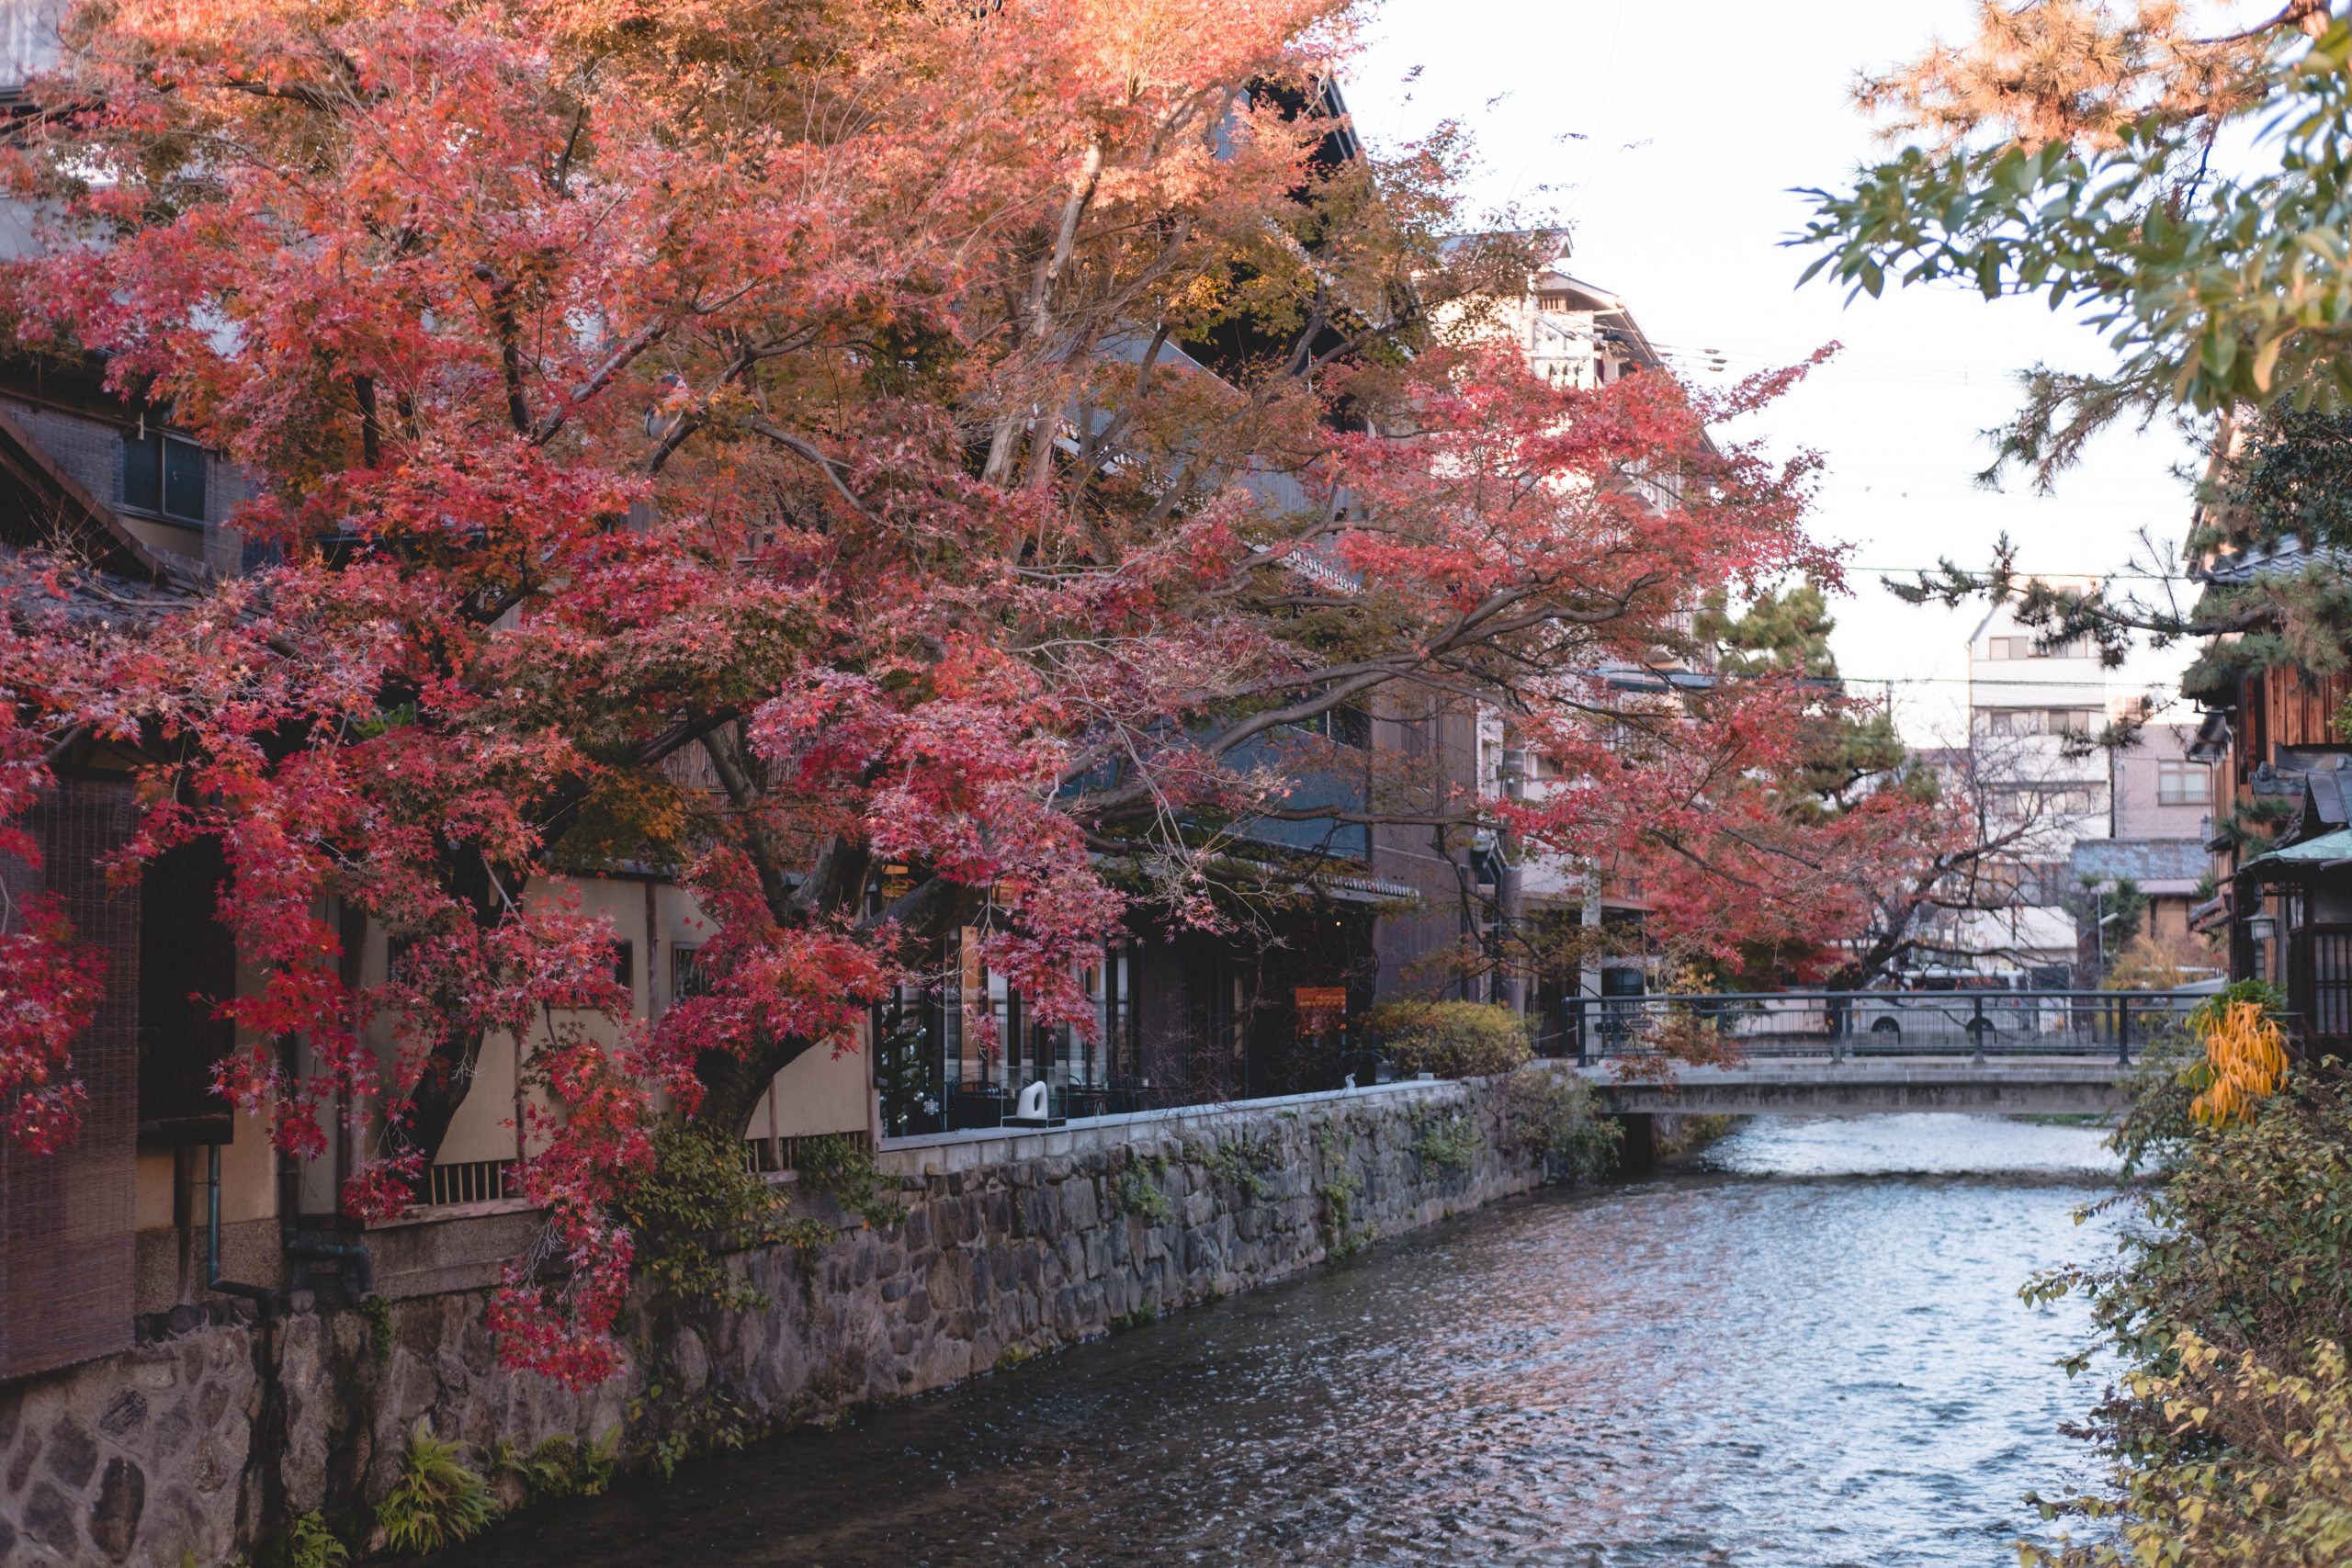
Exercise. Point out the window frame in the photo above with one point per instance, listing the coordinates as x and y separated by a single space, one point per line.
159 447
2171 771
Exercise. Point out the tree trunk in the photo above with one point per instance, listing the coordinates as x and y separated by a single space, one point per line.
447 1079
733 1085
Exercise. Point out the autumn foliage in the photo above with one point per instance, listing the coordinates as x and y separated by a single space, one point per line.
774 440
2244 1054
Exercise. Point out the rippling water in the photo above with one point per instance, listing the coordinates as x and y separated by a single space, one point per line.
1809 1353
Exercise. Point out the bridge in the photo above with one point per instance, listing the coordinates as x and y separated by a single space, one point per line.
1870 1088
1867 1052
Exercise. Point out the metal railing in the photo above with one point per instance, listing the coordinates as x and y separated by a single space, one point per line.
1978 1025
469 1181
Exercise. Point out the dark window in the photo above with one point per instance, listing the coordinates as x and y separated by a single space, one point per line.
687 976
1346 724
1623 981
187 963
625 964
164 475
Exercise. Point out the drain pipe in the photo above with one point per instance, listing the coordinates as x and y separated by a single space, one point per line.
212 1280
307 1247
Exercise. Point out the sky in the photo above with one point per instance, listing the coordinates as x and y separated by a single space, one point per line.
1672 139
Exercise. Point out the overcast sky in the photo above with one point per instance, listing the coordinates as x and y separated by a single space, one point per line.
1670 138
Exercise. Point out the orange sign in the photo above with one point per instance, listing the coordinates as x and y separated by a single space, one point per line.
1322 1010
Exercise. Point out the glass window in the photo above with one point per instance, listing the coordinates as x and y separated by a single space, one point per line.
2184 783
2023 648
143 474
183 480
164 475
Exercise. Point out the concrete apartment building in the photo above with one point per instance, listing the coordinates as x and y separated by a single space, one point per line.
2084 817
2161 815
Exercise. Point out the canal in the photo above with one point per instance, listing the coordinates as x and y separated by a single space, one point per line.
1806 1350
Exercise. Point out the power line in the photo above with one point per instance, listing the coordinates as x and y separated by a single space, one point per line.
1968 681
2112 572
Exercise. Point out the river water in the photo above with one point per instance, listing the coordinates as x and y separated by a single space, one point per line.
1807 1351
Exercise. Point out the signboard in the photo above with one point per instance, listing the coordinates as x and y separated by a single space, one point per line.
1322 1010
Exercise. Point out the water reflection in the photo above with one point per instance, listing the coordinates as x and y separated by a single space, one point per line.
1809 1353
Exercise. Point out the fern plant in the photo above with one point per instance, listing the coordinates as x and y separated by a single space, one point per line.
310 1544
436 1501
549 1471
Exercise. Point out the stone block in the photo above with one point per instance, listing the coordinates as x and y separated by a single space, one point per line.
176 1427
20 1460
692 1364
50 1520
123 1416
212 1403
72 1453
116 1510
1041 1211
216 1462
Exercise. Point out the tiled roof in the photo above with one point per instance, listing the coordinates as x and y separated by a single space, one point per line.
2148 861
2289 557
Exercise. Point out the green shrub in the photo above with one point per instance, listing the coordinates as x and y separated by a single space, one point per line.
1452 1040
1448 1144
1339 1190
839 1164
379 1314
1242 1161
2229 1431
436 1501
703 1423
699 1202
1137 1194
1548 1115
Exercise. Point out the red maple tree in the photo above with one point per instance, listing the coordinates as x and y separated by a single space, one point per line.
771 439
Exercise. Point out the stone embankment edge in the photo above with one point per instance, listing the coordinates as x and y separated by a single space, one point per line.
201 1443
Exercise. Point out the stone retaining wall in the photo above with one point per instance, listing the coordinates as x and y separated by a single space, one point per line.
201 1443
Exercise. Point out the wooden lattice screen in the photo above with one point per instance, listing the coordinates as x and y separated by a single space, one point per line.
2319 983
66 1218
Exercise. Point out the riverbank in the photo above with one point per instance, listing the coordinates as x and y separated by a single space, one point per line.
1809 1353
210 1440
2226 1440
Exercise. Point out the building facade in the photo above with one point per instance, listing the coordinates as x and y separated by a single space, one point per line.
168 1199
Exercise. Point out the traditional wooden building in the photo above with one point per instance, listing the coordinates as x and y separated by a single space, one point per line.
2281 849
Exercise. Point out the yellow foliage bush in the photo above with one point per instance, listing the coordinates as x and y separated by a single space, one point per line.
2245 1055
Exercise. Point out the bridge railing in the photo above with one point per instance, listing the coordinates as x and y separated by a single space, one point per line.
1978 1025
